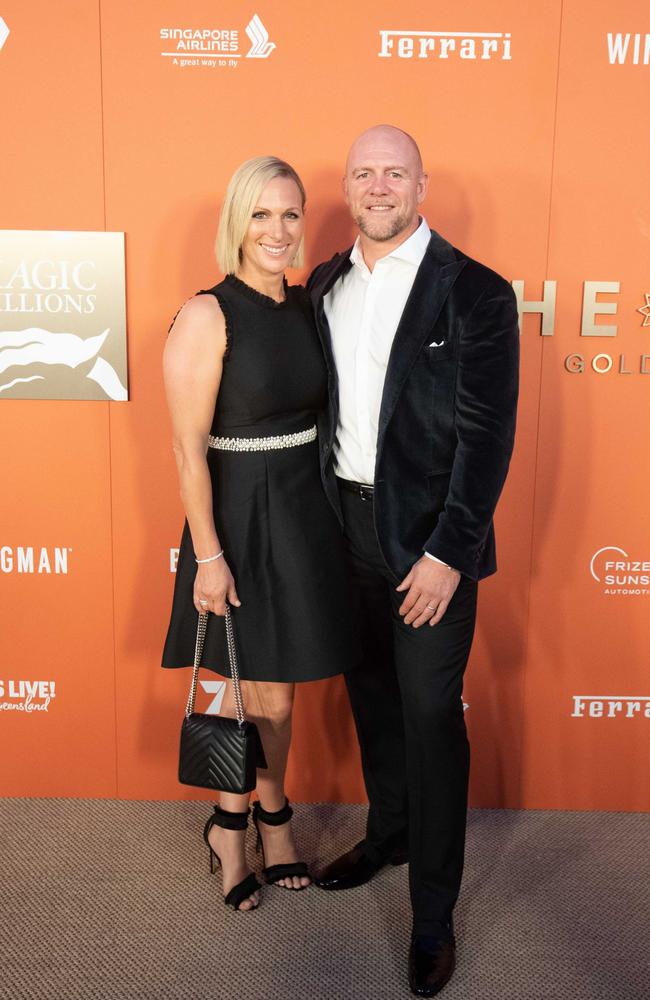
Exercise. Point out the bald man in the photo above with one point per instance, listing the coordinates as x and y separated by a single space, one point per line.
422 346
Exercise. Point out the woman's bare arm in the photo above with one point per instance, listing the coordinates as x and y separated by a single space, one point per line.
192 367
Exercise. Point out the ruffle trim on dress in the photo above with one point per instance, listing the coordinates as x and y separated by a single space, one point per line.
169 328
254 295
227 315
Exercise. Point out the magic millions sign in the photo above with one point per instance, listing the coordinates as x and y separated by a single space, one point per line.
62 316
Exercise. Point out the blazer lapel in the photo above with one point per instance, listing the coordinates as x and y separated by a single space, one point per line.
433 282
331 273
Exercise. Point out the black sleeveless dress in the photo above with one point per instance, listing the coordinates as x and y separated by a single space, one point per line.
280 536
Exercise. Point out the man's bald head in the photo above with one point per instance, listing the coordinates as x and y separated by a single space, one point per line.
386 137
384 184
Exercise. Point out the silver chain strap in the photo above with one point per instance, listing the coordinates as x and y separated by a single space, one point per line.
232 658
234 668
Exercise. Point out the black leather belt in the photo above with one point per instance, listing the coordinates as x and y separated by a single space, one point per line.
361 490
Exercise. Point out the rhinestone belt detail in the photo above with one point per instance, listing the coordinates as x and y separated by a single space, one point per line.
263 443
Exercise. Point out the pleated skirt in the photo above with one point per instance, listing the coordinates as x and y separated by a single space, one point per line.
284 546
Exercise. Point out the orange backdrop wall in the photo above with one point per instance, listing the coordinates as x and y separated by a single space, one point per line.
533 125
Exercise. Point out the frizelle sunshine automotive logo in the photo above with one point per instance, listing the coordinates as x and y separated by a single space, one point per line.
215 47
26 696
465 46
62 315
618 574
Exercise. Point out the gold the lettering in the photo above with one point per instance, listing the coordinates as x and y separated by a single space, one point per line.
591 308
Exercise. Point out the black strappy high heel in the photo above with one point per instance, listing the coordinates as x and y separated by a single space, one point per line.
274 873
231 821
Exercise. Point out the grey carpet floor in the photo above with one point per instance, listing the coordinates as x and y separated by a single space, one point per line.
103 900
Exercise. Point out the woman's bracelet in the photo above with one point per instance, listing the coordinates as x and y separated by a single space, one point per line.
211 558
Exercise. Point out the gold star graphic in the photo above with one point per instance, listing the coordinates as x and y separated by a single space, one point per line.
645 310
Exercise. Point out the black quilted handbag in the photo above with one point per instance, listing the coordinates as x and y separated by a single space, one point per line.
216 752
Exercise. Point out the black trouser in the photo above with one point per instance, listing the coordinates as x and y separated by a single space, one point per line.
408 710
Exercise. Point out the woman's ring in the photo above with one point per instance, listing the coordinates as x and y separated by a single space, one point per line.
207 602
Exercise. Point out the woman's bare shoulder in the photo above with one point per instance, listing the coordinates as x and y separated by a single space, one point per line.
199 314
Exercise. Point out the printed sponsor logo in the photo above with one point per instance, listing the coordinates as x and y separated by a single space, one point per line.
26 696
645 310
629 48
604 363
463 45
619 575
217 689
62 316
632 362
609 706
261 47
4 32
215 47
28 559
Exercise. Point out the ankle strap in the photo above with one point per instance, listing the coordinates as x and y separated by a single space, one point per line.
229 820
282 815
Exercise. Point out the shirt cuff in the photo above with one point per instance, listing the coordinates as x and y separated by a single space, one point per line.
435 559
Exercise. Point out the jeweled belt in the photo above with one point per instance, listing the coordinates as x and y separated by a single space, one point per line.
263 443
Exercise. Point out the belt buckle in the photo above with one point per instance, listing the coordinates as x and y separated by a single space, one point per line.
366 492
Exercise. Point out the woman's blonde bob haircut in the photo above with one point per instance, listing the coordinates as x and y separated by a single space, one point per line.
244 189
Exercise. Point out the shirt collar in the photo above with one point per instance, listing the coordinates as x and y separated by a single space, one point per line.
411 250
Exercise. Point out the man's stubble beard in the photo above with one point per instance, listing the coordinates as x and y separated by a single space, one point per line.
396 226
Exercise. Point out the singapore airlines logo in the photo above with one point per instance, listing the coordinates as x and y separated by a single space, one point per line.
215 47
261 47
4 31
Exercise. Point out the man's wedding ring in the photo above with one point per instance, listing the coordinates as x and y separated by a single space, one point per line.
430 608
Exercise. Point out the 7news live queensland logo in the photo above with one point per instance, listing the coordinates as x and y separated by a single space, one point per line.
26 696
215 688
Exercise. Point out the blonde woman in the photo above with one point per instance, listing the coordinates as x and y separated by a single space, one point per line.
245 378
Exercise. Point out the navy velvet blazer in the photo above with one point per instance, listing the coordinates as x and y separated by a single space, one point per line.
447 418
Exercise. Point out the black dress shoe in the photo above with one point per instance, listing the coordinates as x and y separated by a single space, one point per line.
431 964
354 868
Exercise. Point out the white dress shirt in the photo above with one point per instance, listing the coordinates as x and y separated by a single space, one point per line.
363 310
